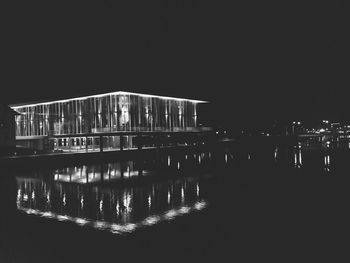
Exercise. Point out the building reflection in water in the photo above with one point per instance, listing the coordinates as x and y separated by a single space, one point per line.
327 162
115 208
114 171
275 153
298 162
95 173
228 157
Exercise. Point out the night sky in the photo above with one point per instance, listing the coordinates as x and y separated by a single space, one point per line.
255 61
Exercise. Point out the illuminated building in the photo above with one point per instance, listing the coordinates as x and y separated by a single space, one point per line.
79 123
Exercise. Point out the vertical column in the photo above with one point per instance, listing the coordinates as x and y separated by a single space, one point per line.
139 154
101 143
121 142
118 113
139 142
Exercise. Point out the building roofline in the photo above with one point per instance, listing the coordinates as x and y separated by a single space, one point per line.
31 104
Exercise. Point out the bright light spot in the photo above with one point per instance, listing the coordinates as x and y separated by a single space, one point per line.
327 160
129 227
184 210
127 201
30 211
151 220
116 227
200 205
81 221
101 205
171 214
48 214
117 207
149 201
62 218
182 194
101 225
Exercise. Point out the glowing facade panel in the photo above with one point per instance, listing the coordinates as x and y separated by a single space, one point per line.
112 112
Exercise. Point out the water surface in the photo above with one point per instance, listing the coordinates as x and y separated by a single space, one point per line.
271 203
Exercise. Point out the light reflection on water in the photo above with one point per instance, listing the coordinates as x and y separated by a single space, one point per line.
298 162
119 209
327 162
118 228
79 194
86 174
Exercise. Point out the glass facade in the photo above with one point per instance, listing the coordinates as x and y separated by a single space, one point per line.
112 112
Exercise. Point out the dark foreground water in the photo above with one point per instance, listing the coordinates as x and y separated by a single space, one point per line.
268 203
